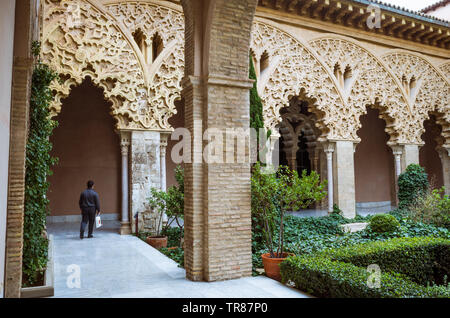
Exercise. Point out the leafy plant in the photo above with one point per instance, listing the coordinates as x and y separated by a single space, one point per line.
432 207
171 203
411 184
38 168
273 195
382 223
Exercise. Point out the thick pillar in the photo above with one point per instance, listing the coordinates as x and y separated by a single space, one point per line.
145 168
216 93
329 149
410 155
444 154
125 216
344 178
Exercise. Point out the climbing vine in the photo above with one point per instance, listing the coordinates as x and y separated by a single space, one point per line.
38 168
256 108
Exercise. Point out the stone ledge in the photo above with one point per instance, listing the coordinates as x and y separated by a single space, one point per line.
354 227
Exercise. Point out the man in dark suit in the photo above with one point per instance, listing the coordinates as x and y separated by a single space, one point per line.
89 205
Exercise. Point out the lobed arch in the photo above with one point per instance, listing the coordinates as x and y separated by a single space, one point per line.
81 38
167 70
430 95
371 84
294 69
445 69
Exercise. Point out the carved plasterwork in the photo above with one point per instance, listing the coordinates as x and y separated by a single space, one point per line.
166 72
445 69
428 90
368 83
294 69
82 38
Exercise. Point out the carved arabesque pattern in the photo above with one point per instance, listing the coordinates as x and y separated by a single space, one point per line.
78 41
431 93
166 73
445 69
370 84
298 71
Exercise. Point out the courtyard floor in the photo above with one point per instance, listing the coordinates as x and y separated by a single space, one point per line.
111 265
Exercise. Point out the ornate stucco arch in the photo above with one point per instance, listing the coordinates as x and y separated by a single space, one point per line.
368 81
83 38
445 69
166 72
428 90
295 69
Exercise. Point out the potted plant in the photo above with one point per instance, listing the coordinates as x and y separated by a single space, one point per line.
273 195
170 203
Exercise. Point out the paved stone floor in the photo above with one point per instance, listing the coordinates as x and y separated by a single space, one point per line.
124 266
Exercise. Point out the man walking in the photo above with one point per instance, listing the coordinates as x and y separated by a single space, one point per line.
89 205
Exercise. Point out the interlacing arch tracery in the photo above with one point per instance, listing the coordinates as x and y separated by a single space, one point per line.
167 70
445 69
294 68
428 90
368 82
81 38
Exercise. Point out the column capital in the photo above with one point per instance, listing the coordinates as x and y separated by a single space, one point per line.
124 142
444 151
397 150
328 147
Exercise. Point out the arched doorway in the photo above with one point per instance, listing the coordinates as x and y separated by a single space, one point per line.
374 166
428 155
298 137
87 148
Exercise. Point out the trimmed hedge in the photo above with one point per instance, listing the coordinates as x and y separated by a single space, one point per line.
407 265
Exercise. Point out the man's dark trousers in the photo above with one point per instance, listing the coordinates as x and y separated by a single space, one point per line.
88 216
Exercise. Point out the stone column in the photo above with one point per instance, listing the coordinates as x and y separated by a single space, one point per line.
329 149
125 218
444 154
162 152
397 151
344 178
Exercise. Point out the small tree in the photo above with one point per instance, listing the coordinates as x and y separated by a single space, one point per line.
272 196
171 203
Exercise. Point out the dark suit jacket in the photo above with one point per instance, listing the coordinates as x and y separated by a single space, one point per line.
89 199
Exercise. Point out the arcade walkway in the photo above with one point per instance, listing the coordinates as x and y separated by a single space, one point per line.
124 266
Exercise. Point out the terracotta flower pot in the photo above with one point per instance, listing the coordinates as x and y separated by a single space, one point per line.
272 265
157 241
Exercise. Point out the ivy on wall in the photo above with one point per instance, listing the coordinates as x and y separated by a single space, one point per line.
256 108
38 168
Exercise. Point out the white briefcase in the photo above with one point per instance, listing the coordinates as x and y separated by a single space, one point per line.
98 221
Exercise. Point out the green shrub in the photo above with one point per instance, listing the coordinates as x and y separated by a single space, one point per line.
411 184
433 207
382 223
343 272
425 260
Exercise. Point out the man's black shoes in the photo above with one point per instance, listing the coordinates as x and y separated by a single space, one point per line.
90 236
81 236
